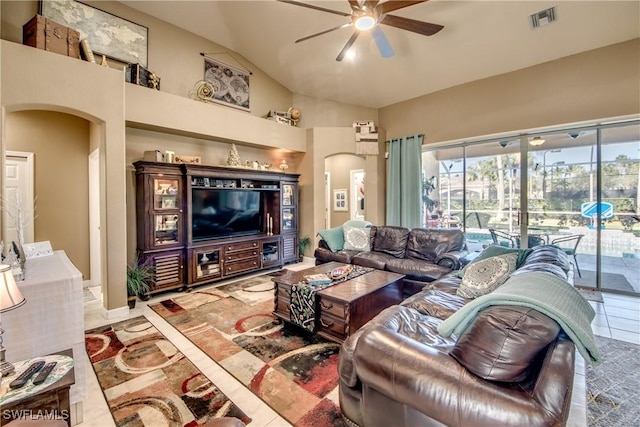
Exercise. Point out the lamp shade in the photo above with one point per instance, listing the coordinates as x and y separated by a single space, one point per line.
10 295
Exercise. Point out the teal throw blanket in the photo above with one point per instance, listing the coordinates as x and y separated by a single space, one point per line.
545 293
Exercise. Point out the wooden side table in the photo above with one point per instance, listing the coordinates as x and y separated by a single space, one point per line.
49 403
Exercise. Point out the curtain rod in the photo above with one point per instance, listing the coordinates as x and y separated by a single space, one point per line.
410 136
226 52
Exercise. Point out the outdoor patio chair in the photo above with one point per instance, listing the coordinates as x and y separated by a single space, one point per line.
569 244
503 239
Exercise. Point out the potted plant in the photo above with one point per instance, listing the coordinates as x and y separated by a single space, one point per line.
138 278
303 244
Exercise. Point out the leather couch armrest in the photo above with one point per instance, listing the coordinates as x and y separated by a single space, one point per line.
452 260
322 244
435 384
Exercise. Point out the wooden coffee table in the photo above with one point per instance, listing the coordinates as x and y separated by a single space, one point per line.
342 308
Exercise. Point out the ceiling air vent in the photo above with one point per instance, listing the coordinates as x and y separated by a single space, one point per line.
543 17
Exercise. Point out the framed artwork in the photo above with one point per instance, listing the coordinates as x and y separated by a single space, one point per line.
230 84
340 201
106 34
168 202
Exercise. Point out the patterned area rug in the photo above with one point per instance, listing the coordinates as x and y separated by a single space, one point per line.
612 387
293 371
148 382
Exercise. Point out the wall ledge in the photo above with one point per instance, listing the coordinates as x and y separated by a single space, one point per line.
159 111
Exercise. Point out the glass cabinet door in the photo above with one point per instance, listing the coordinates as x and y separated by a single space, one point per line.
165 194
166 229
288 195
288 219
166 210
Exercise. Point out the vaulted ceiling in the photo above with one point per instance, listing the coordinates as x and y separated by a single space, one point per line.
480 39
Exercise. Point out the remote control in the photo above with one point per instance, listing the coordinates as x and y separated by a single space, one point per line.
22 379
44 373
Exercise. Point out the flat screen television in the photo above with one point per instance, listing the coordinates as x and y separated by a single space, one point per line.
219 213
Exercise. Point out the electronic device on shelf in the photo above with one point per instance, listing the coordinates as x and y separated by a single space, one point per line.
223 212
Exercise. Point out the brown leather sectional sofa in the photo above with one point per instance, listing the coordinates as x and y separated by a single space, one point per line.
422 255
513 366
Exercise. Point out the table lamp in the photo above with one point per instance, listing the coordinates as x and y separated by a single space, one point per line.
10 298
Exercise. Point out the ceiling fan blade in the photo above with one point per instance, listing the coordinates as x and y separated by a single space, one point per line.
381 41
390 6
424 28
348 24
310 6
347 46
355 5
371 4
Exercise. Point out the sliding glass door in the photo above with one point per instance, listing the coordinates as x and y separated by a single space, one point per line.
577 189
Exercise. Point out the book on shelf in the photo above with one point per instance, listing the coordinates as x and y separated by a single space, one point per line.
317 279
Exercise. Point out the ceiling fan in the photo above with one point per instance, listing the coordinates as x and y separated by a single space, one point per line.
368 15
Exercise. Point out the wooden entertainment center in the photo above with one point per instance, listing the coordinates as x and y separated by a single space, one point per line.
198 224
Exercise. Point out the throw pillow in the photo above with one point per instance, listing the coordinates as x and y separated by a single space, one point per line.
334 237
356 239
485 276
495 250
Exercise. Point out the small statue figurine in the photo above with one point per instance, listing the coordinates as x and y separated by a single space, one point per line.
234 158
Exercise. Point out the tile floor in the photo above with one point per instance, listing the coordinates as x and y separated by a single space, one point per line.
618 317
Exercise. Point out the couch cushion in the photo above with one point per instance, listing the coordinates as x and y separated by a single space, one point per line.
503 341
448 283
372 259
435 303
542 266
391 240
549 254
416 269
333 237
427 244
484 276
356 238
402 320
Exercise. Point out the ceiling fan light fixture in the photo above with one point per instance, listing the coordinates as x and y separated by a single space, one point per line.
365 22
536 141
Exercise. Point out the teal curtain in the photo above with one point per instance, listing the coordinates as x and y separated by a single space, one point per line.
404 182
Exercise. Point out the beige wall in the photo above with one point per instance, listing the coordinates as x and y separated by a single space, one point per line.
322 143
592 85
340 167
325 113
60 143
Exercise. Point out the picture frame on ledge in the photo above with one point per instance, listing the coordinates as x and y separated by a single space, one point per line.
107 34
231 85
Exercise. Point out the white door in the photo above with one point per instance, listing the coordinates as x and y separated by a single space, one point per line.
94 218
18 192
327 200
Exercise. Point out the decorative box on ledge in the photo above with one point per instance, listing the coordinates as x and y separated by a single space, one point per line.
43 33
137 74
